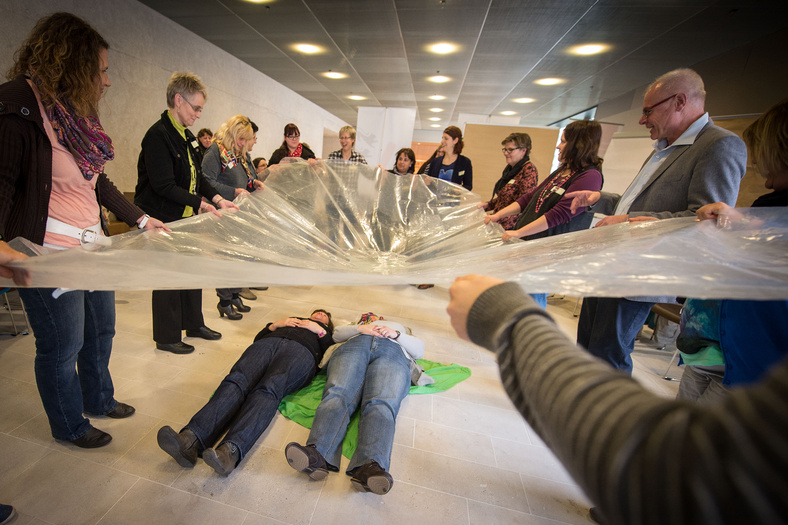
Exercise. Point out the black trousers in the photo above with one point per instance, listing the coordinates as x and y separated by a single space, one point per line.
174 311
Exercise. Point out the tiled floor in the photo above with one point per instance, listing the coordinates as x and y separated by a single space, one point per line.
462 456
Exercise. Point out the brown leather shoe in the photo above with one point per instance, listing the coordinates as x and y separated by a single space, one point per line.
121 411
223 458
93 438
183 446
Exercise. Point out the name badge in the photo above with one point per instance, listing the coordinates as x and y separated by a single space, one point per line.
195 144
510 182
558 190
460 174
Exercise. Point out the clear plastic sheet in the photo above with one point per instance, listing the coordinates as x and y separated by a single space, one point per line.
346 224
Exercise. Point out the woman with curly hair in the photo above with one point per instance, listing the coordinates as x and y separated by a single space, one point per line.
53 186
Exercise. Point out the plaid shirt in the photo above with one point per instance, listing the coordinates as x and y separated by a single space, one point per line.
355 156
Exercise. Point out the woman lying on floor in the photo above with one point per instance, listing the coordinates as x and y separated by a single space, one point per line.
371 372
282 359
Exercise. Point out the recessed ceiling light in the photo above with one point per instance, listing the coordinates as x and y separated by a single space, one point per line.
356 97
442 48
438 79
436 110
434 119
437 97
334 74
258 1
507 113
589 49
435 125
549 81
524 100
308 49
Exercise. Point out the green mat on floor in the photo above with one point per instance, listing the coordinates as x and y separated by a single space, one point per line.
300 406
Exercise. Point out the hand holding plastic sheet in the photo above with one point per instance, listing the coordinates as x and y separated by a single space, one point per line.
349 224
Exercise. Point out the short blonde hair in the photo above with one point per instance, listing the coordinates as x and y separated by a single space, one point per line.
350 130
767 139
233 129
184 84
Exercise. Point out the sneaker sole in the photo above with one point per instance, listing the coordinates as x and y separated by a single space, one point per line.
379 485
299 460
212 460
168 442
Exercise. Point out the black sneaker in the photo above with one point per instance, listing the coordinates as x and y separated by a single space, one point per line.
307 460
370 477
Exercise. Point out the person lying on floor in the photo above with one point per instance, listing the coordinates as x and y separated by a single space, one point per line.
371 372
283 357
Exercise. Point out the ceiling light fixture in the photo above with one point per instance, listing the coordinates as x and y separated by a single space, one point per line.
308 49
589 49
507 113
336 75
356 97
524 100
437 97
549 81
434 119
438 79
436 110
435 125
442 48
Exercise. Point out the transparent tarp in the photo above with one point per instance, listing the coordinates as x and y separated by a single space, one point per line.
346 224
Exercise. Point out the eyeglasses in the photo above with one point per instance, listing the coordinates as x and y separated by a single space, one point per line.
292 136
197 109
648 110
509 150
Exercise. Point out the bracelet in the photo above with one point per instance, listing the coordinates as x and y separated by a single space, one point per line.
398 334
144 221
218 201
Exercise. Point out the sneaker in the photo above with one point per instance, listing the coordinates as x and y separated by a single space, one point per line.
370 477
223 458
7 514
307 460
183 446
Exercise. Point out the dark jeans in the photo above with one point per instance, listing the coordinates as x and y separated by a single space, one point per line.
73 343
248 398
608 326
175 311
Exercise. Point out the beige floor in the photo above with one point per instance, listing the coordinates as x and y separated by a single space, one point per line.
462 456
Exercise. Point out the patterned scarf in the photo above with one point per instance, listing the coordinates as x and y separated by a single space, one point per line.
83 137
228 159
297 152
369 317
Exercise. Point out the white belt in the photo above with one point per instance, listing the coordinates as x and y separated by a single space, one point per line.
91 234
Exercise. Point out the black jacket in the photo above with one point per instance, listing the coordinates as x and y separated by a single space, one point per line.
281 153
164 173
463 171
26 169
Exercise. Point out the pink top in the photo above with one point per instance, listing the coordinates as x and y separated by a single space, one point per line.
73 198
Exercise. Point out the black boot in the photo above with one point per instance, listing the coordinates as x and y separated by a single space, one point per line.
239 304
229 311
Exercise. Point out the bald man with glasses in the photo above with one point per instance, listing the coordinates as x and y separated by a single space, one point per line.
694 163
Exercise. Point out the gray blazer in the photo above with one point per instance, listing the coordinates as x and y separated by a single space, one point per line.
225 181
709 170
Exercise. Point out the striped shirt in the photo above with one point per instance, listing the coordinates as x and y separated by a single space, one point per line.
640 458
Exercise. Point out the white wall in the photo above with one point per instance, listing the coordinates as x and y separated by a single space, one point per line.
145 49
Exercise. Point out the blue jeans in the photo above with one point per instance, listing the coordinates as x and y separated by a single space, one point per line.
371 372
608 327
73 343
247 399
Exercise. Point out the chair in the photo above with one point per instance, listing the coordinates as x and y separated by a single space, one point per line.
10 310
671 312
